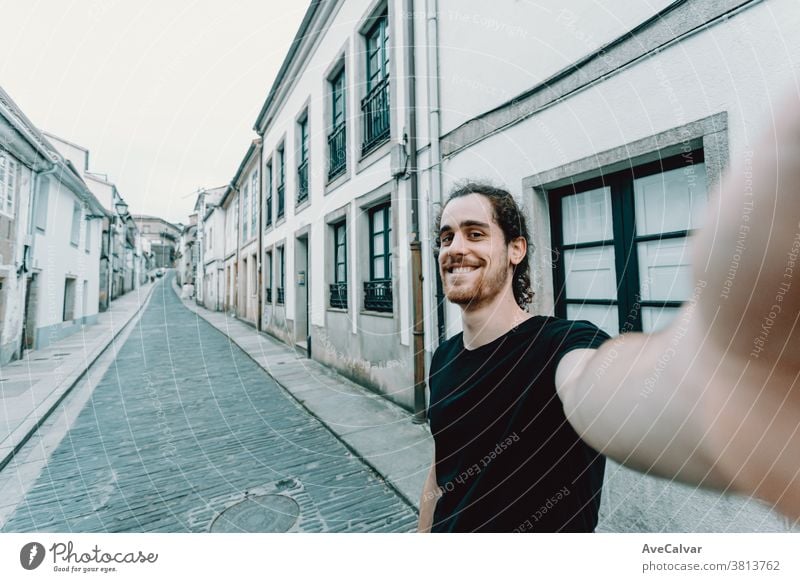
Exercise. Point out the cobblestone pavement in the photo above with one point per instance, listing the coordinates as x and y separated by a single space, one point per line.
184 425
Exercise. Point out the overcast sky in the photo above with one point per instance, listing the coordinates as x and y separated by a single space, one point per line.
164 95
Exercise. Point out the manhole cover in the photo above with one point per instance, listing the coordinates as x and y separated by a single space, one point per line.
261 514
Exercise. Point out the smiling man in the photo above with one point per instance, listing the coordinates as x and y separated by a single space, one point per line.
524 407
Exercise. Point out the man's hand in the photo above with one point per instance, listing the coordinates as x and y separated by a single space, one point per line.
714 399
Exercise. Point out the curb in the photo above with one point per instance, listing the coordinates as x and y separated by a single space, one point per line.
71 380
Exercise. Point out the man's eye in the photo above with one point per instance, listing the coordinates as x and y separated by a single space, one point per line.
475 234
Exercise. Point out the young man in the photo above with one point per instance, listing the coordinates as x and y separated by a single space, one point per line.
522 407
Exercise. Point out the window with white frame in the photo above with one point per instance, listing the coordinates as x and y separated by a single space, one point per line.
338 289
268 276
75 232
621 243
254 210
281 181
302 159
375 104
245 209
268 195
378 290
337 138
9 179
281 275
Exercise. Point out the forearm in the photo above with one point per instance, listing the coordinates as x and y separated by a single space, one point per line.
427 502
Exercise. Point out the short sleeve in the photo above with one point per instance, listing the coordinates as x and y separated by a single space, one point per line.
575 335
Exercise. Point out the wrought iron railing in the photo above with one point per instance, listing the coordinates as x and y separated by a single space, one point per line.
375 110
280 295
281 199
337 151
269 295
339 295
378 295
302 182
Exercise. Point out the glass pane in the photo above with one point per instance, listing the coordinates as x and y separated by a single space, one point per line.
603 316
377 268
664 270
377 221
671 201
657 318
587 216
590 273
377 244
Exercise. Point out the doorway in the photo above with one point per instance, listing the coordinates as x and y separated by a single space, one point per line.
301 279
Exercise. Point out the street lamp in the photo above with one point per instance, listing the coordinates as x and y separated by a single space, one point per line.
122 208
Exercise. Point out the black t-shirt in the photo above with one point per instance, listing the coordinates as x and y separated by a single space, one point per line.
506 457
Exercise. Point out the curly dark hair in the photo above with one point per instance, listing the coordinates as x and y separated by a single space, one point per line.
511 220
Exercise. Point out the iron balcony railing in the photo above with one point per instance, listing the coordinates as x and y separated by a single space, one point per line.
337 151
281 188
280 295
375 110
269 295
339 295
302 182
378 295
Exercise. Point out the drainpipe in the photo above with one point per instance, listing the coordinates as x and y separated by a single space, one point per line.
434 132
420 411
260 251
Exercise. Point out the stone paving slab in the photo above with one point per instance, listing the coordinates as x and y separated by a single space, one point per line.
378 431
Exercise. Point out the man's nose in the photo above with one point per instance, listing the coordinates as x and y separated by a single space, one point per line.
457 245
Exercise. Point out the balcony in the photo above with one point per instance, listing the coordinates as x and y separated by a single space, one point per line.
269 295
337 151
302 182
280 296
339 295
378 295
281 198
375 111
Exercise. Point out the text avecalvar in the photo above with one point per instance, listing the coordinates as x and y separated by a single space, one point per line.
671 549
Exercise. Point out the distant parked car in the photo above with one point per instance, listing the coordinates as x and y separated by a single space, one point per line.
160 272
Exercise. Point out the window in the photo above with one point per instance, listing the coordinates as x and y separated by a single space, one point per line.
209 239
75 233
69 300
337 139
621 243
245 208
375 105
339 286
41 204
302 167
281 181
268 269
268 194
254 209
88 241
9 168
281 273
378 290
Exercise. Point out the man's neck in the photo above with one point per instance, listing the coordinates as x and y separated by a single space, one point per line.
486 323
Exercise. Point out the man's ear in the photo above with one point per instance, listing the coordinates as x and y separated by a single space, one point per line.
517 249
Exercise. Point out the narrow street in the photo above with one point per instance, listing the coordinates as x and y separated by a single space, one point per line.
185 425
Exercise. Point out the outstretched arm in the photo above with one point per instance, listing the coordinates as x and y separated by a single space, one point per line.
714 399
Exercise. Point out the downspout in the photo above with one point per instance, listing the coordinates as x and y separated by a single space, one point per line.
260 254
434 132
420 412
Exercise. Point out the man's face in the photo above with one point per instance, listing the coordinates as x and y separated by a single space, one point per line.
474 260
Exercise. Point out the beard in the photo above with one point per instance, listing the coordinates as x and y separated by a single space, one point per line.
476 292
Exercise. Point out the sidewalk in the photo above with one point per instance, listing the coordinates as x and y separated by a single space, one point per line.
375 430
31 388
